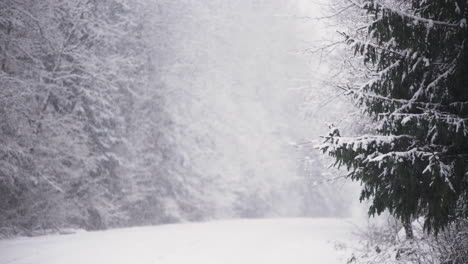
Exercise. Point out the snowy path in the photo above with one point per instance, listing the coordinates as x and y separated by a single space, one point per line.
285 241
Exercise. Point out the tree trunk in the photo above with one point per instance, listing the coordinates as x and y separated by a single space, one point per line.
408 229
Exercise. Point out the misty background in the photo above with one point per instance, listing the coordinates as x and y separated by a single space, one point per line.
118 113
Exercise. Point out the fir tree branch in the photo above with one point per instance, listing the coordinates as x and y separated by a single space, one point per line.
355 41
410 16
401 102
411 153
438 115
430 22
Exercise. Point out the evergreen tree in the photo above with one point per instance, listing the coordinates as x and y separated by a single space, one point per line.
416 55
66 73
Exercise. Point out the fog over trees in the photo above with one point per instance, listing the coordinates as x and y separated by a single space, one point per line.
126 113
118 113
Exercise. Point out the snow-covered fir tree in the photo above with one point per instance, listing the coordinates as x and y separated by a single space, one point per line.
415 164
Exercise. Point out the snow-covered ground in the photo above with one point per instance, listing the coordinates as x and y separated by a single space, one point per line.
265 241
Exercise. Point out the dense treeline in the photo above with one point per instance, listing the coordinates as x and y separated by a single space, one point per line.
86 141
117 113
67 74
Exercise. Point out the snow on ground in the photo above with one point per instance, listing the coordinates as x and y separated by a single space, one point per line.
265 241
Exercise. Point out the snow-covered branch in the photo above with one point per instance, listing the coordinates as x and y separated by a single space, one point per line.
429 22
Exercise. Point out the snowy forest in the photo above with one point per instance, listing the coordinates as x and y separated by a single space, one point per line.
131 113
122 113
